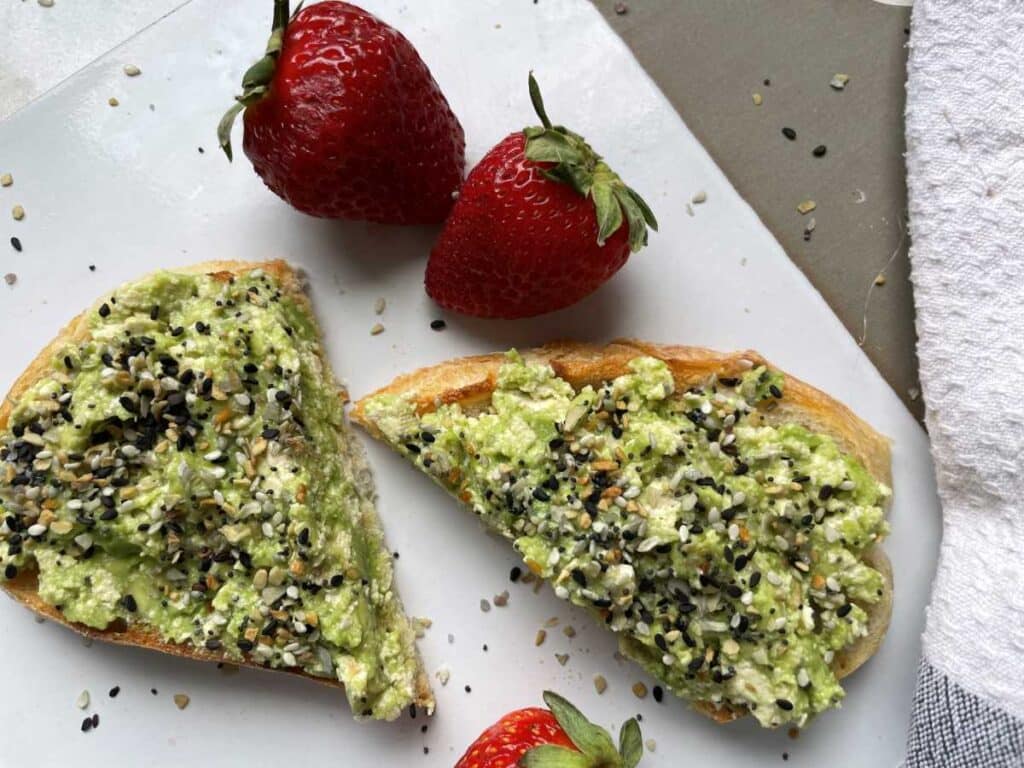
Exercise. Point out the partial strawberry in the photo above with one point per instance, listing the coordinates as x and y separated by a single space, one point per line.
344 120
540 222
557 737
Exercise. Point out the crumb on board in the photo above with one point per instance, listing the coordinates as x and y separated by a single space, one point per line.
181 700
600 684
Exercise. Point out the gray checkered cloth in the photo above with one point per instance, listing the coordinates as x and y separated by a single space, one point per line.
965 174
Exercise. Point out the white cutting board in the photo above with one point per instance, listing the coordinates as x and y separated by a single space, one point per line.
127 190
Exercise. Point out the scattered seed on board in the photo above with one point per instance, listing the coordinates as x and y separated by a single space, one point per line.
563 658
757 99
10 278
621 9
651 745
131 70
112 101
377 330
542 635
569 630
806 207
839 81
700 197
18 213
443 674
501 600
880 280
379 306
819 151
46 3
83 700
639 690
809 229
16 244
789 133
913 393
438 325
181 700
600 684
485 606
6 180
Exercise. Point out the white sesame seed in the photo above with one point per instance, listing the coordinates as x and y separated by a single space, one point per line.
36 530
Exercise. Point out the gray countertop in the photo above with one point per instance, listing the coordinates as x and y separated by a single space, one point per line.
711 56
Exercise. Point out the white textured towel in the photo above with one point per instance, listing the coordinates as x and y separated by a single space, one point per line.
965 164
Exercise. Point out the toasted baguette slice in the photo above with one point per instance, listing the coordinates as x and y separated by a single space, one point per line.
357 662
470 383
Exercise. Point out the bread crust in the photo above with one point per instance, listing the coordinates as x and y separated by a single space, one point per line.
24 588
470 381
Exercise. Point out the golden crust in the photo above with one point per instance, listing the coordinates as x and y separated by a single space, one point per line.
23 589
470 381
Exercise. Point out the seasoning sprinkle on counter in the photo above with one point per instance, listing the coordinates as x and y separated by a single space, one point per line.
722 547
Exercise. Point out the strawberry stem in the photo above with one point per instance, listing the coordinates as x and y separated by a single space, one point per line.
538 101
569 159
256 80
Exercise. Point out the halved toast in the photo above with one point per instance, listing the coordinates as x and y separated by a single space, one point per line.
176 473
452 405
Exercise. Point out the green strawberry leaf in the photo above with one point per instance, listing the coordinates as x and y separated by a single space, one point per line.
574 162
631 744
551 756
609 212
256 80
593 741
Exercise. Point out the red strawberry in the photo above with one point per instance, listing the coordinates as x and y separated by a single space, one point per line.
344 120
558 737
540 222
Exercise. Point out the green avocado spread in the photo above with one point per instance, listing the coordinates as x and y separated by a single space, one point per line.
723 549
187 468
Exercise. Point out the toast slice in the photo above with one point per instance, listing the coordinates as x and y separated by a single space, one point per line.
722 517
176 473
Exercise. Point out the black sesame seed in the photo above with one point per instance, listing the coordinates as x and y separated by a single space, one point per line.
95 721
696 664
213 644
784 704
337 580
825 493
114 691
245 645
468 689
154 312
438 325
844 609
789 133
659 693
270 433
513 576
10 571
776 392
819 151
16 244
755 579
104 310
129 603
541 495
87 725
